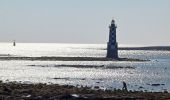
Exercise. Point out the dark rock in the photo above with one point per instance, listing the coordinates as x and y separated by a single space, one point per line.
96 87
6 89
141 87
38 98
97 82
66 97
155 84
83 79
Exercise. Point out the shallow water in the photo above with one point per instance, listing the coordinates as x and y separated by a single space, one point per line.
156 71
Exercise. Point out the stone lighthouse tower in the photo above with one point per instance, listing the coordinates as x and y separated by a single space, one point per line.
112 45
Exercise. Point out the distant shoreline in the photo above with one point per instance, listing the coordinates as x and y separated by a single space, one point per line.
69 59
162 48
154 48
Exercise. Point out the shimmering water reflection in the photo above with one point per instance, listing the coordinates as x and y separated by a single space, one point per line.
108 74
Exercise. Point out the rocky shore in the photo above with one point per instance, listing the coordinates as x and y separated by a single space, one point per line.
21 91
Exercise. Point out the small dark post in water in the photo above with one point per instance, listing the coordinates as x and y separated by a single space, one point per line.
112 45
14 44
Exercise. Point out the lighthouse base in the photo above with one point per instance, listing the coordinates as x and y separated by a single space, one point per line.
112 51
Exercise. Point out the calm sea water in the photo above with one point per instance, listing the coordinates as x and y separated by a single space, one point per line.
106 76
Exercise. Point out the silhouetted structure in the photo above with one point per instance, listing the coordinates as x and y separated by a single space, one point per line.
112 45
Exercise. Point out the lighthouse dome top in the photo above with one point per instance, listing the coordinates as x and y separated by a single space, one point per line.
113 21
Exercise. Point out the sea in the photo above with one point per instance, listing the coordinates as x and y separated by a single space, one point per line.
152 75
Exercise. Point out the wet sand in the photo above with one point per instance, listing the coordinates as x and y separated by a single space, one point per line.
21 91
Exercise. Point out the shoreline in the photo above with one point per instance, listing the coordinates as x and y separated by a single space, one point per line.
16 90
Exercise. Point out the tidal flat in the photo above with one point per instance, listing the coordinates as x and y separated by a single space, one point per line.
71 59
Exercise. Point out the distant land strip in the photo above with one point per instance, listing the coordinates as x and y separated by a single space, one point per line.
163 48
153 48
69 59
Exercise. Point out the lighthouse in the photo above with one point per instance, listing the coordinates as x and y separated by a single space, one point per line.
112 45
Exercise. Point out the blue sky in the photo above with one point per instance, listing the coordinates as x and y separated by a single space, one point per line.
144 22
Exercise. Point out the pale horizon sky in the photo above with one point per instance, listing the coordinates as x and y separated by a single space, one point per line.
145 22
